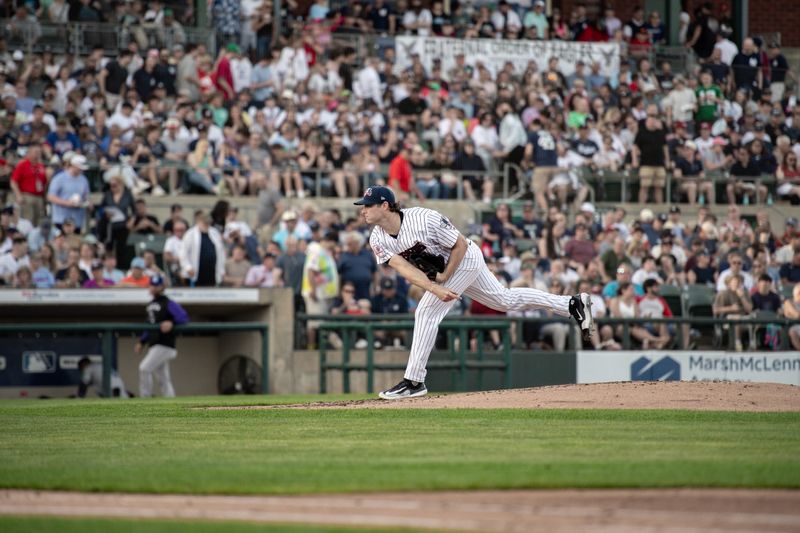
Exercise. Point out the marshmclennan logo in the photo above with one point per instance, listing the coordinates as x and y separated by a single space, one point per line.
750 363
664 369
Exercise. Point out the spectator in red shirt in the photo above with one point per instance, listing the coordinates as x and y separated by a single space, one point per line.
29 183
400 178
580 250
223 75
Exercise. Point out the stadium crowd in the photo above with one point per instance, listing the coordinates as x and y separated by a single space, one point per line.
284 110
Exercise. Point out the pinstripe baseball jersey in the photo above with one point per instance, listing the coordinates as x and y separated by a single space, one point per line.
419 226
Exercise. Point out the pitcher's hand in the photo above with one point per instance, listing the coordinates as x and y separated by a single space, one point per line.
444 294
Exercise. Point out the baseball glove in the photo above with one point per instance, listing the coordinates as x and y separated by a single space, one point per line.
427 262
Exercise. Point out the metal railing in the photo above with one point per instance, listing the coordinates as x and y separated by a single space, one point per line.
79 38
458 330
626 179
110 329
376 321
457 341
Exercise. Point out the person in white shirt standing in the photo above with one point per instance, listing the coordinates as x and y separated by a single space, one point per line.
425 248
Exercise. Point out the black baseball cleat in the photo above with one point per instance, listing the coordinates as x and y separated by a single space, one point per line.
580 308
405 389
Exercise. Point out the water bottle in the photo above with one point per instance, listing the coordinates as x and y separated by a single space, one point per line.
746 199
702 199
769 199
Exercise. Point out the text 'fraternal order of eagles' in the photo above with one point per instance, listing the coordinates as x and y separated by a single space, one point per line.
493 53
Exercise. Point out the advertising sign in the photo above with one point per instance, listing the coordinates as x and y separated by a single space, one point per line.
494 54
656 365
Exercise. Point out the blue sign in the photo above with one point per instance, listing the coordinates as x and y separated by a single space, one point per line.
664 369
45 361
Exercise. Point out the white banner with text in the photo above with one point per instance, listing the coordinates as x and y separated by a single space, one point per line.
656 365
494 54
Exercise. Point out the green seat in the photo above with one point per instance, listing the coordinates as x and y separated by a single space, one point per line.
786 291
672 295
698 300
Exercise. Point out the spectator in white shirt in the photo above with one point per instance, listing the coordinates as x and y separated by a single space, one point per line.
17 258
727 48
649 270
173 248
505 19
264 275
417 20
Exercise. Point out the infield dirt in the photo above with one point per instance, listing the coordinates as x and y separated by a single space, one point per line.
690 395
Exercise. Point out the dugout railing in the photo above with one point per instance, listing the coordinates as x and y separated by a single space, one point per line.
457 355
109 332
457 333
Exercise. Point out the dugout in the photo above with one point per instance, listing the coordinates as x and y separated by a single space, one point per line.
43 362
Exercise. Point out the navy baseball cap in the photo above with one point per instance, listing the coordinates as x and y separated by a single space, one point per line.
156 280
377 195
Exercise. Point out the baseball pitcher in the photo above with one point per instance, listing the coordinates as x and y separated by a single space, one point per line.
428 251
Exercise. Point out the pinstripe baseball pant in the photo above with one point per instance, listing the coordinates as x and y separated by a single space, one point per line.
473 278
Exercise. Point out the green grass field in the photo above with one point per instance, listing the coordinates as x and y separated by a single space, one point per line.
164 446
25 524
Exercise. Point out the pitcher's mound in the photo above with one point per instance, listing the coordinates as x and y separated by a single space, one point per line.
695 395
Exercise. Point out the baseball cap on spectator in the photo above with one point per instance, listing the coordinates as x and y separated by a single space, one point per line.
662 217
776 112
97 264
376 195
675 209
330 236
791 221
705 126
313 226
18 55
646 215
173 123
79 161
233 47
288 216
201 128
387 283
758 126
138 262
207 113
156 280
690 145
719 141
588 207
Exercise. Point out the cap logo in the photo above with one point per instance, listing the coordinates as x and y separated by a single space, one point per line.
368 192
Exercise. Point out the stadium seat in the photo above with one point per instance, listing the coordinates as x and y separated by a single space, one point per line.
698 300
786 292
757 329
672 294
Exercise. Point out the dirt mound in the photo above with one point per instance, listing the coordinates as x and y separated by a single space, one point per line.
693 395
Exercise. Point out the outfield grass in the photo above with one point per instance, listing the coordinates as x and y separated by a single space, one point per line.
163 446
17 524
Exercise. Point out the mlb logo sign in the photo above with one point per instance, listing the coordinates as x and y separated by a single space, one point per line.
664 369
38 362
